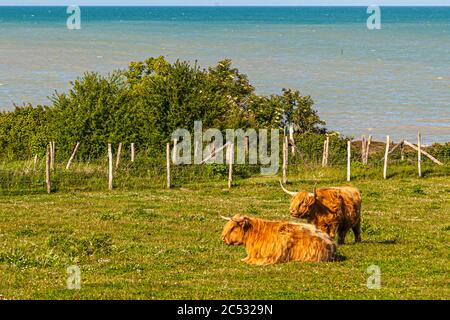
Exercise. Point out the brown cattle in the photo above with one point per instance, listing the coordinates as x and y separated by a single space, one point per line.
268 242
332 210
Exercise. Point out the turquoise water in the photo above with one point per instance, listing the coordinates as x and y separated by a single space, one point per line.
390 81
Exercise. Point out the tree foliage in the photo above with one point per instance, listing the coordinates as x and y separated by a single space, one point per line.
144 104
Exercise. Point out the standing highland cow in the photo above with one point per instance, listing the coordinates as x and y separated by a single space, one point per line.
332 210
268 242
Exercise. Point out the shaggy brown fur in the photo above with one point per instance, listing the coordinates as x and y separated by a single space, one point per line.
268 242
332 210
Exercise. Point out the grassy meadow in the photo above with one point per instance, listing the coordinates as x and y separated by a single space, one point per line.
146 242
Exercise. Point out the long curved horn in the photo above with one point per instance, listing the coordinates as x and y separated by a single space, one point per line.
225 218
315 189
287 191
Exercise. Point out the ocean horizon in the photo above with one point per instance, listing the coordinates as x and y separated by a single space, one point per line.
394 81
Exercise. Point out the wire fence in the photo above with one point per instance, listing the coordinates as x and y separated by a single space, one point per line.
21 178
144 172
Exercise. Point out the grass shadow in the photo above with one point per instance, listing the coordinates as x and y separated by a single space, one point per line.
339 257
386 241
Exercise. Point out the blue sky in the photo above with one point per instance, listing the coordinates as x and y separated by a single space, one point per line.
226 2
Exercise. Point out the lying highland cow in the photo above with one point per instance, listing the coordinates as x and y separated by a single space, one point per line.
270 242
332 210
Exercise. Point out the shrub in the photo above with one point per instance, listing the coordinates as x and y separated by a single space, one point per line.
440 151
145 104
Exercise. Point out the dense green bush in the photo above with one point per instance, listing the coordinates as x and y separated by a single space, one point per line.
441 151
24 132
145 104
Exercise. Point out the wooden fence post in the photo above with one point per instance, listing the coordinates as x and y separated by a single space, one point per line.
168 165
349 159
74 152
402 151
119 151
419 155
409 144
52 155
328 151
48 179
386 154
285 158
132 152
246 146
110 167
367 150
363 148
326 144
230 168
323 152
35 162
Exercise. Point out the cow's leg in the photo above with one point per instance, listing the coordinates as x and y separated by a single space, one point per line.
342 232
357 231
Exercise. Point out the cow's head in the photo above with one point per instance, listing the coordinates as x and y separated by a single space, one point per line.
301 203
234 230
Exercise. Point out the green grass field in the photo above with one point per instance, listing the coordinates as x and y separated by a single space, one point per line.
151 243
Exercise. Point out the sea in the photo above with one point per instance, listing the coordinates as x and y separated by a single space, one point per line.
389 81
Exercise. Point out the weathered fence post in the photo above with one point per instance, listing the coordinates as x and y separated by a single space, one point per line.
285 158
402 151
50 147
323 152
168 165
246 146
119 151
35 162
48 179
72 156
52 155
110 167
363 148
230 162
367 150
132 152
419 155
349 159
386 154
326 144
409 144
